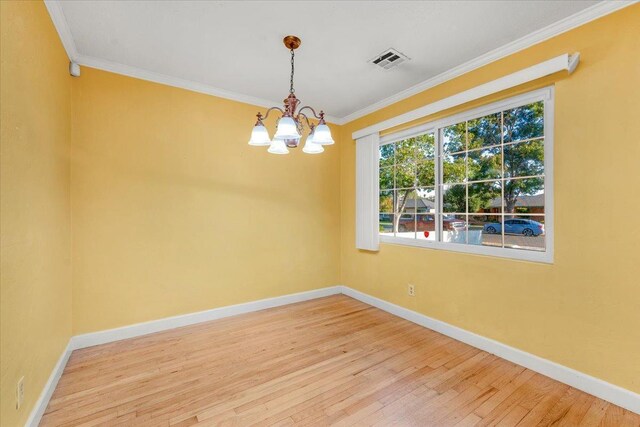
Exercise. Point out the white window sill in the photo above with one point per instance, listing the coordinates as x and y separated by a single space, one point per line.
516 254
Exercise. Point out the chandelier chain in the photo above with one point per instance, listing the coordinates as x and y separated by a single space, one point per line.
291 89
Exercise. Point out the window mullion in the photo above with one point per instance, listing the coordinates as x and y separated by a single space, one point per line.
395 191
438 181
504 181
466 182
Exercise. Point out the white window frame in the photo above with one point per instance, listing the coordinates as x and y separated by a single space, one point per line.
547 96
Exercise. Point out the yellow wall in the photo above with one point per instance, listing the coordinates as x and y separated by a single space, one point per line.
35 249
584 310
173 212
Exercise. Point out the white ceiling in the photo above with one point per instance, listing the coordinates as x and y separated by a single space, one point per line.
234 48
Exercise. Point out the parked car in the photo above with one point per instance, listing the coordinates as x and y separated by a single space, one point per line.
526 227
428 223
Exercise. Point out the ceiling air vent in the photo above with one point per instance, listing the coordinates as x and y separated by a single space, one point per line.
389 59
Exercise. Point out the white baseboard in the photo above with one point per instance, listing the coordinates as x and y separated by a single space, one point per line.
602 389
49 387
139 329
131 331
599 388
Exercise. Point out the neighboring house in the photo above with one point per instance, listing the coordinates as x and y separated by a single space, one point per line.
421 204
525 204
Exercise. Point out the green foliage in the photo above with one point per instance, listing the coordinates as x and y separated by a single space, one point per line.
484 131
454 198
386 201
426 173
481 194
453 168
410 163
405 165
523 158
454 138
485 162
524 122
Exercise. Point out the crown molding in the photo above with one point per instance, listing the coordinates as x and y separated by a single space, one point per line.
139 73
60 22
62 27
586 15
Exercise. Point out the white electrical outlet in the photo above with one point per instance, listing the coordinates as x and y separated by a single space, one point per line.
20 393
412 290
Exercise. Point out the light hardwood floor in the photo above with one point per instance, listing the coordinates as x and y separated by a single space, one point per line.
330 361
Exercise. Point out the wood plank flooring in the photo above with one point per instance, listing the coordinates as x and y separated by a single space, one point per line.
329 361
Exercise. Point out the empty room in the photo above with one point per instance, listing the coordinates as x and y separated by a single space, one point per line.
320 213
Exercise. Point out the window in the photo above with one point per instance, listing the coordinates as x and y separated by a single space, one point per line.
476 182
407 187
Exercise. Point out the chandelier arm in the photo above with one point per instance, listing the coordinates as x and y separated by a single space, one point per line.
266 116
309 125
312 110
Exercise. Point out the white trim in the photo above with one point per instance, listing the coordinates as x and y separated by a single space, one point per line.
139 329
547 96
542 94
407 133
549 173
150 76
609 392
574 60
62 27
191 85
508 253
584 16
594 386
367 201
60 22
41 404
542 69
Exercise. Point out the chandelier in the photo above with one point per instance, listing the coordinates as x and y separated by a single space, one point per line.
290 126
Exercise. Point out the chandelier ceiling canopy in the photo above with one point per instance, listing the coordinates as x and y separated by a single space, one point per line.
291 124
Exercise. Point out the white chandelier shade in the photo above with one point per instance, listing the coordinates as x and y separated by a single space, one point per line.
322 135
278 147
260 136
287 129
310 147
